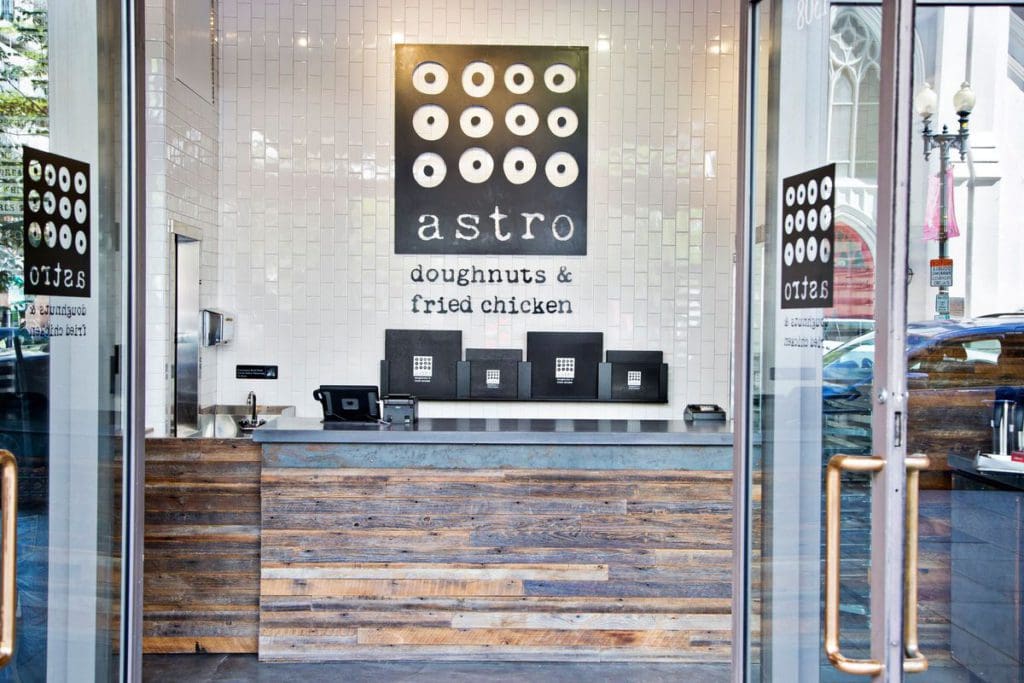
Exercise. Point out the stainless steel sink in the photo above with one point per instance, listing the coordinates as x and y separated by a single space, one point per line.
229 421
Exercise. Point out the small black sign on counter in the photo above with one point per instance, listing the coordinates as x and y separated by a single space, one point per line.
255 372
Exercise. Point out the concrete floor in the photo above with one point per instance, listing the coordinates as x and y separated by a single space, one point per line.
200 668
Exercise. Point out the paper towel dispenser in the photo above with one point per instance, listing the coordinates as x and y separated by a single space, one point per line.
218 327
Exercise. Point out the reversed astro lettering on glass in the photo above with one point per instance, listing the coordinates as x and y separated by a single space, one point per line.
490 149
808 238
56 224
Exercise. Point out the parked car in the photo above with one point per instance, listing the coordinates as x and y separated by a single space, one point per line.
954 368
837 331
31 371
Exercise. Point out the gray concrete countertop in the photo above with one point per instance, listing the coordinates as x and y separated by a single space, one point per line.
502 432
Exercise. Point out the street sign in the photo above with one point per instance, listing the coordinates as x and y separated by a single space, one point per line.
941 272
942 304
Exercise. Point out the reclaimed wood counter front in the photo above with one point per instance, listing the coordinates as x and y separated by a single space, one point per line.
518 540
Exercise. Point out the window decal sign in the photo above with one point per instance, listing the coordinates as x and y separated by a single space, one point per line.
808 238
56 224
490 149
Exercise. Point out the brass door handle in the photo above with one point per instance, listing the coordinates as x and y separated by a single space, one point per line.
8 553
915 662
838 464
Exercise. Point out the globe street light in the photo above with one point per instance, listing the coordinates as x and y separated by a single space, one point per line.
926 102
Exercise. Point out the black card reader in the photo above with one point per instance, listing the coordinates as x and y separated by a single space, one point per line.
704 411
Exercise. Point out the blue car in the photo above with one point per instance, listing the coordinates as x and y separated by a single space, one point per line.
954 368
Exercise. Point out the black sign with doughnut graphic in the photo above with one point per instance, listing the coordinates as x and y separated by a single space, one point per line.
57 224
490 149
808 238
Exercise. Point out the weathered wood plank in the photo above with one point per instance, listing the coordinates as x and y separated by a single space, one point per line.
406 570
384 588
197 644
286 650
537 604
592 620
354 618
629 589
272 552
656 639
309 500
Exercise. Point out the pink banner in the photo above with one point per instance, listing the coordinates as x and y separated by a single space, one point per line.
933 218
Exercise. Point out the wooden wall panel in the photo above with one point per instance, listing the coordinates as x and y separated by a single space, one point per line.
202 547
509 564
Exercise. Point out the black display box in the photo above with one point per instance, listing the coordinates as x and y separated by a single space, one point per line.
421 363
564 364
633 376
490 374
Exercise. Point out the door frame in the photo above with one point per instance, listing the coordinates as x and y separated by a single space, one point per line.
889 392
133 88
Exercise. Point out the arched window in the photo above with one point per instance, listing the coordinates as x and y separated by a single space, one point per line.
853 93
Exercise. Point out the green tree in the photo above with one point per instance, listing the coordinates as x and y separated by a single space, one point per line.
24 119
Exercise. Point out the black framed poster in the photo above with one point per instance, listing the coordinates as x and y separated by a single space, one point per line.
490 149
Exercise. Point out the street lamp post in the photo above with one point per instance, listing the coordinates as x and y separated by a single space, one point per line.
926 102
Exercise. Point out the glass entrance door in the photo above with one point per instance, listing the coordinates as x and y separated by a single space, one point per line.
64 345
880 463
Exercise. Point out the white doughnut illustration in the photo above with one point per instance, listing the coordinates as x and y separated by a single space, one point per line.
430 122
81 212
812 249
826 188
563 121
790 196
50 175
80 182
519 165
81 242
50 234
800 251
476 165
33 200
35 234
478 79
430 78
35 170
476 122
560 78
64 178
65 208
65 236
825 250
429 169
826 217
801 194
812 220
49 202
787 253
522 119
800 221
518 79
812 191
561 169
789 223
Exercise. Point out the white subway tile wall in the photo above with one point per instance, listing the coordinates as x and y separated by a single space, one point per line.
182 148
305 180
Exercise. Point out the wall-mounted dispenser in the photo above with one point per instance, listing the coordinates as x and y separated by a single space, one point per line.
218 327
